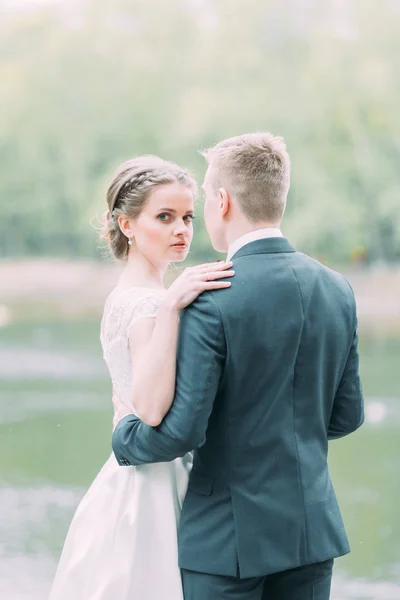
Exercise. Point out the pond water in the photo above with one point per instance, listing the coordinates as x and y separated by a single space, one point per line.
55 429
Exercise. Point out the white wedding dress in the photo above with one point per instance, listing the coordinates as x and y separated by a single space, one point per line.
122 542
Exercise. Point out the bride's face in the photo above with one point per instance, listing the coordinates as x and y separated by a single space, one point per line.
163 231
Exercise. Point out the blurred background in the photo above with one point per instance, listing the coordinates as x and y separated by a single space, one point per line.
85 84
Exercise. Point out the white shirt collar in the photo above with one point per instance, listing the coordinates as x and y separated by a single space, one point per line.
252 236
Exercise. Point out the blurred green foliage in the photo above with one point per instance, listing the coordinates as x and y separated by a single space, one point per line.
85 85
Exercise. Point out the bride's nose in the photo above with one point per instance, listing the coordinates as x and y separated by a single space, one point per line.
179 228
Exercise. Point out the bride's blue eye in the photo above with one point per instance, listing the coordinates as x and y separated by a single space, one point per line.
163 217
188 217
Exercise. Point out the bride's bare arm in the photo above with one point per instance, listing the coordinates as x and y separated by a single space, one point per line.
153 341
153 350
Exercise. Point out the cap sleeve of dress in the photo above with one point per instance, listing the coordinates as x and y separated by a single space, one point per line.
142 307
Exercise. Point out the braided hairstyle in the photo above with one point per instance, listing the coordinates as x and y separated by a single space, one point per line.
129 190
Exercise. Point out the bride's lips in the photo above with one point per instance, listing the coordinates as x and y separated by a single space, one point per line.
179 246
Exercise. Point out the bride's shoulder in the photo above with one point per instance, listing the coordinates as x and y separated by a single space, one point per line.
132 296
126 305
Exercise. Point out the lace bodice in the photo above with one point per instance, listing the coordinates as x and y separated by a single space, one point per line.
122 309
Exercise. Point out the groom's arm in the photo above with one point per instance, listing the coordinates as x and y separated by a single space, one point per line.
200 361
348 406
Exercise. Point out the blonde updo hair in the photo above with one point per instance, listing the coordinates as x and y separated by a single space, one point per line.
129 190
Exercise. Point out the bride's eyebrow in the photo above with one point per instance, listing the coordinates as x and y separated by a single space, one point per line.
172 210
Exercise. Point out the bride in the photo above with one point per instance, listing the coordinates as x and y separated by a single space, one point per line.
122 542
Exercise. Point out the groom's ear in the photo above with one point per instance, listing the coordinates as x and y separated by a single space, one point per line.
224 201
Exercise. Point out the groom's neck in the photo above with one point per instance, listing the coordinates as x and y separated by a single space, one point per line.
236 230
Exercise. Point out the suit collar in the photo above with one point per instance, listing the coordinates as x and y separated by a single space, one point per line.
252 236
271 245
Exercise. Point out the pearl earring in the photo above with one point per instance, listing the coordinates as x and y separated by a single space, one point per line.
129 241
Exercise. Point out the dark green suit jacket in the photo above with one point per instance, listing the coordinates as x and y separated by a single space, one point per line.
267 372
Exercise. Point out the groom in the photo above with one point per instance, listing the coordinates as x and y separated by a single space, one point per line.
267 373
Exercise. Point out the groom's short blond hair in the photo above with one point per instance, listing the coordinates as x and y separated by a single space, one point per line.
255 169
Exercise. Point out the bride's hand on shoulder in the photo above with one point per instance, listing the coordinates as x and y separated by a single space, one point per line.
195 280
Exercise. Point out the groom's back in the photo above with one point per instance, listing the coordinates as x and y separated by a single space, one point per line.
260 484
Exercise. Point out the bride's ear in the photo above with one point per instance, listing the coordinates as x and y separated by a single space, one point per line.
125 225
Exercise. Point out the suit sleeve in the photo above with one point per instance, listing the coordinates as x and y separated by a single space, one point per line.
200 362
348 407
